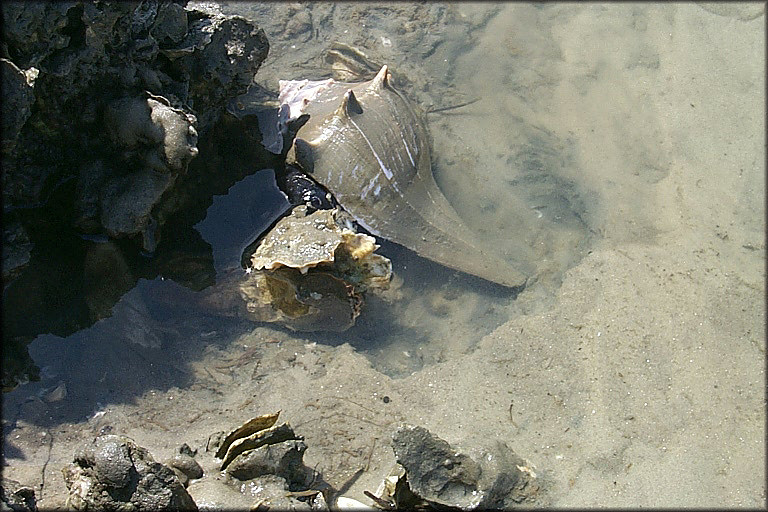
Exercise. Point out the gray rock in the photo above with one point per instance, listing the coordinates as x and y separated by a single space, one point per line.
495 478
184 464
284 459
185 467
113 473
16 497
435 470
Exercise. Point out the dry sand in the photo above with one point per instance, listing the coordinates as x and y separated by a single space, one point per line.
638 381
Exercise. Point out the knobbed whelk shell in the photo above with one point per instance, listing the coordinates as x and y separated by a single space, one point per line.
369 146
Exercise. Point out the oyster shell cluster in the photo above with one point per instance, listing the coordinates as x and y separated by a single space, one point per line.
309 273
259 431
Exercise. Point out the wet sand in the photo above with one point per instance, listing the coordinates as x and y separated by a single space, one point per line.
635 378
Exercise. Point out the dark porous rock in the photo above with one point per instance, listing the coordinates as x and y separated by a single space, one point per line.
284 459
34 30
156 143
16 497
16 248
163 138
228 50
87 56
494 478
113 473
17 94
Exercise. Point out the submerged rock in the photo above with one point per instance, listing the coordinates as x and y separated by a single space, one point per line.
184 465
113 473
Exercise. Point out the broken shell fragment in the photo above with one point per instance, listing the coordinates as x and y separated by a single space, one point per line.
272 435
257 432
251 426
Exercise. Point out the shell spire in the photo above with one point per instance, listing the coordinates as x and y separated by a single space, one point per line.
381 79
349 105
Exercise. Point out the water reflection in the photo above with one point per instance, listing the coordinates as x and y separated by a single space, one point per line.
239 217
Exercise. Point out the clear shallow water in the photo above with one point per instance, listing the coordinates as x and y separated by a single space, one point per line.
507 163
508 174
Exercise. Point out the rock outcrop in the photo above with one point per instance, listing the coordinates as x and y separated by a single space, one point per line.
104 105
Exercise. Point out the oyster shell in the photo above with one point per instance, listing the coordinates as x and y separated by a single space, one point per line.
272 435
316 301
369 146
309 274
251 426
